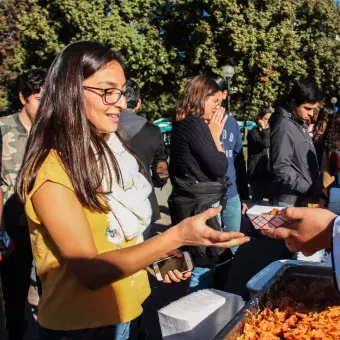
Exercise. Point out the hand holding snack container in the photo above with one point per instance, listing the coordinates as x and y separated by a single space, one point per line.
266 217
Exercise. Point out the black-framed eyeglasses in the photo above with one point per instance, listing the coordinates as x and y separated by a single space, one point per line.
113 95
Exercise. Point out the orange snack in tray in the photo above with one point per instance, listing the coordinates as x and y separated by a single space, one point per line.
272 212
318 318
313 205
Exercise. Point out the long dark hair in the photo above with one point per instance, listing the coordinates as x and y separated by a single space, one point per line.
321 124
332 134
61 125
195 94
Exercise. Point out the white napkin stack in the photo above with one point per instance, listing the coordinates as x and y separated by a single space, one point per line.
186 313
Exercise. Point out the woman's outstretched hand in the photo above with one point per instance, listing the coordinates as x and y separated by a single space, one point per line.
193 231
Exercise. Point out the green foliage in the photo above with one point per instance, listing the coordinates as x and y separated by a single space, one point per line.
270 43
8 41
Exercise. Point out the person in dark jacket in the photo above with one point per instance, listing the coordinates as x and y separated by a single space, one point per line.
196 152
258 139
292 154
147 142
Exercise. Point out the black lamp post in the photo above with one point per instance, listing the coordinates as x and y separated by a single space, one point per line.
228 72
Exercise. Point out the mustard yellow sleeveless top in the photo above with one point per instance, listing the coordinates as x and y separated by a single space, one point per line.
65 304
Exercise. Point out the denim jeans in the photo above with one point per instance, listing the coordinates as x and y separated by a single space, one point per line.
232 216
217 204
201 278
116 332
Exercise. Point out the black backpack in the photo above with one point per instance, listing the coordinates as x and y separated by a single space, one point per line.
190 198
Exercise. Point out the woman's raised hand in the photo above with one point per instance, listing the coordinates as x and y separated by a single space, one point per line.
194 231
217 123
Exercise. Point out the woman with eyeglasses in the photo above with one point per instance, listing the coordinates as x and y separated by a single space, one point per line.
87 205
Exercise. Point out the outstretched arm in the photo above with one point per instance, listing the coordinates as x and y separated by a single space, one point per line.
72 235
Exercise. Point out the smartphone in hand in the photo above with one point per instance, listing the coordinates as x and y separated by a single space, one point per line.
182 264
